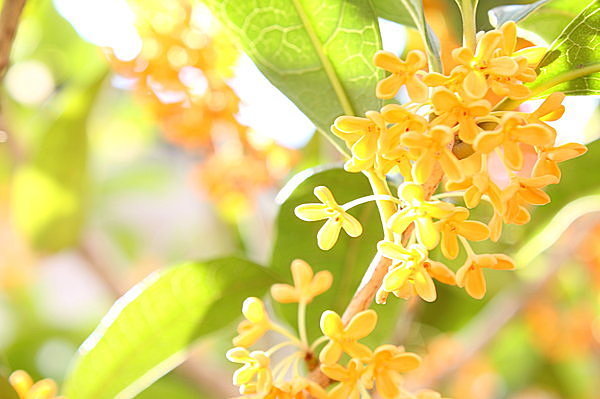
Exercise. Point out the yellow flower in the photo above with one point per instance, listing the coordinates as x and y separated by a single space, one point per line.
361 135
451 110
452 82
412 273
433 148
513 130
297 388
476 186
306 285
522 191
457 225
26 389
344 339
421 212
470 276
385 366
337 218
484 64
548 159
402 73
254 376
350 379
429 394
257 323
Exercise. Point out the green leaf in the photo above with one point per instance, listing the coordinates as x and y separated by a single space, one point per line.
149 329
500 15
572 64
317 52
393 11
6 390
49 192
550 20
347 260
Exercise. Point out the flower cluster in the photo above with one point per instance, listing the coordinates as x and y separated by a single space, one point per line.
380 369
180 75
26 389
450 132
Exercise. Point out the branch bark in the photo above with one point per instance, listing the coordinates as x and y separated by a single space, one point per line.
9 21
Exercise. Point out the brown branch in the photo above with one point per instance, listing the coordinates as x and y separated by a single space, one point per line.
9 21
506 306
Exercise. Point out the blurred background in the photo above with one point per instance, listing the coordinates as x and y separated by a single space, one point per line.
134 135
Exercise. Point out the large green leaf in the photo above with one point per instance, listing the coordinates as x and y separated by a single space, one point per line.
347 260
317 52
549 20
149 329
49 192
572 64
394 11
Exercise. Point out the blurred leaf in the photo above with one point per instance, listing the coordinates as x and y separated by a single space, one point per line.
6 390
551 18
347 260
171 387
318 53
572 64
147 331
484 7
500 15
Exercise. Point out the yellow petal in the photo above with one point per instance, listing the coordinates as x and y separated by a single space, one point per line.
331 353
473 230
417 90
284 293
321 283
312 212
324 195
44 389
423 168
21 382
351 225
426 232
331 324
254 310
449 245
475 85
388 88
302 273
441 273
503 66
388 61
444 100
425 286
361 324
396 278
451 166
329 233
393 251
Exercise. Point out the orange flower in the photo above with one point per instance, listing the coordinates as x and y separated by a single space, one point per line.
361 135
344 339
522 191
254 376
452 110
306 285
433 148
457 225
476 186
470 275
548 159
349 377
402 73
512 130
385 366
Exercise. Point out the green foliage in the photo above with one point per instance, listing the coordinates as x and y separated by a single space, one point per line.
148 330
50 192
549 20
394 11
347 260
317 52
572 64
500 15
6 391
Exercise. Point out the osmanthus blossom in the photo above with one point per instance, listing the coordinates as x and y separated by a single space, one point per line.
416 209
411 271
337 218
25 387
432 148
257 323
307 285
549 158
523 191
254 376
452 110
403 73
470 275
345 338
457 225
513 130
385 368
350 379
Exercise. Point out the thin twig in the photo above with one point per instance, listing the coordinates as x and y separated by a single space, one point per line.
9 21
